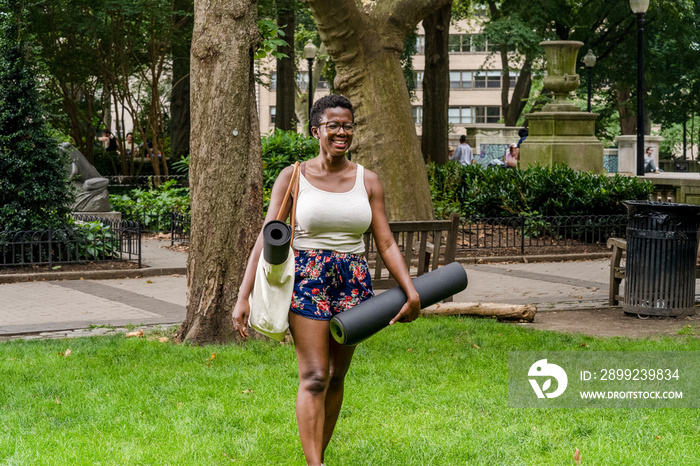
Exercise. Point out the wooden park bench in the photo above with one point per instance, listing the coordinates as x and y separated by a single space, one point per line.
617 271
426 245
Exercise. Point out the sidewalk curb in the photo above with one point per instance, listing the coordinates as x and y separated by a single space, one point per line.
92 274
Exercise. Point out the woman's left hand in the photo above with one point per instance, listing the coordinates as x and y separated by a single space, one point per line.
409 312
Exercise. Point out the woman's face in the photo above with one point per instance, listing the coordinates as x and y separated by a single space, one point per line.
650 150
334 142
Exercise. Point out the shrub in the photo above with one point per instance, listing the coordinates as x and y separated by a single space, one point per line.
34 190
151 207
281 149
476 191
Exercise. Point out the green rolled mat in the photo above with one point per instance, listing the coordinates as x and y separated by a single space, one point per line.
367 318
276 238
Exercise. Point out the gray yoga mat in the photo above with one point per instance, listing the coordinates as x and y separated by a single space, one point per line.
367 318
276 238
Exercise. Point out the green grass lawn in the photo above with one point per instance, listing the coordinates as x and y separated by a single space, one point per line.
432 392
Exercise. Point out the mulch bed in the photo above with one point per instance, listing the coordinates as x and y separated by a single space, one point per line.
87 266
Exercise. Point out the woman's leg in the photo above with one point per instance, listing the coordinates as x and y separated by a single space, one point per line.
311 342
340 358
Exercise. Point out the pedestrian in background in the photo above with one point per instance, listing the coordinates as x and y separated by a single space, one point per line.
463 154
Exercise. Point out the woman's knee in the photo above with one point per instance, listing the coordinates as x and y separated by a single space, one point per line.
314 381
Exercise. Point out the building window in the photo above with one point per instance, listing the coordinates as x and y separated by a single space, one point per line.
487 114
459 115
479 79
454 43
417 115
273 81
493 79
303 80
460 79
273 115
480 114
513 75
464 43
420 44
478 43
418 78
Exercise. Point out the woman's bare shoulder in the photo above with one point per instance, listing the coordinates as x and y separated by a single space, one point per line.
372 182
285 175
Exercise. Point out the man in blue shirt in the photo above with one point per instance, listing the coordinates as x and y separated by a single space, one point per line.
463 154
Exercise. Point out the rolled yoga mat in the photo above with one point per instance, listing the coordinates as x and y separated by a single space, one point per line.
367 318
276 238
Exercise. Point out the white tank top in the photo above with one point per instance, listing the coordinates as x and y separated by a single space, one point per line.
332 221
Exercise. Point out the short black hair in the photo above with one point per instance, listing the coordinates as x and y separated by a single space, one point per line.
462 139
326 102
523 132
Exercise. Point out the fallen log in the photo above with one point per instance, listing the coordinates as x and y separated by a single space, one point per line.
502 312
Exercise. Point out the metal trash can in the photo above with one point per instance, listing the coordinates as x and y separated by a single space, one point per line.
662 243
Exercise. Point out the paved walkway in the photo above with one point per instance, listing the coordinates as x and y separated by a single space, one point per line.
63 306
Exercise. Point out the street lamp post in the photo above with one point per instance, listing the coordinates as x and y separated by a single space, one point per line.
639 8
589 60
310 54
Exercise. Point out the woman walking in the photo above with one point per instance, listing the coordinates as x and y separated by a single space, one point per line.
337 201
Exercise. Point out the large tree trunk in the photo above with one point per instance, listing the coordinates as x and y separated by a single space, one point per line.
225 165
436 86
180 96
365 43
513 107
286 116
625 107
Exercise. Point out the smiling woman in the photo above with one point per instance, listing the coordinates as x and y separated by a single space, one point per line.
338 200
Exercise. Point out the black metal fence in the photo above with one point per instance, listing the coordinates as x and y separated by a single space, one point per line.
91 239
153 219
488 233
179 227
145 181
539 231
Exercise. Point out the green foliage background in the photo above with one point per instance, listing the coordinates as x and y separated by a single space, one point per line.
281 149
475 191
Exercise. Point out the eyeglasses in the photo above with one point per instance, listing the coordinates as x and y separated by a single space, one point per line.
333 127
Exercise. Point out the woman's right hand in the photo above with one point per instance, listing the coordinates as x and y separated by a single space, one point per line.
241 312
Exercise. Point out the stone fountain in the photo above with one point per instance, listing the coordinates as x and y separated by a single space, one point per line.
561 132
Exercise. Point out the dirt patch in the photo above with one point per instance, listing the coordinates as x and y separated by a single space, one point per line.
613 322
106 265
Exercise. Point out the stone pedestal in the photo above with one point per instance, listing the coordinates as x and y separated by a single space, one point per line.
563 137
627 152
113 215
561 133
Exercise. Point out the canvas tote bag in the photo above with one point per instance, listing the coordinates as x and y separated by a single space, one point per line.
274 276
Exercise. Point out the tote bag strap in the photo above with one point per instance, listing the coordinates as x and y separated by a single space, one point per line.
292 190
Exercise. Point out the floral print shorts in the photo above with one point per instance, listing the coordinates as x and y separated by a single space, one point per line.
327 283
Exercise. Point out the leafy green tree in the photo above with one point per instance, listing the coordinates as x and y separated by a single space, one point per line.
67 49
34 190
